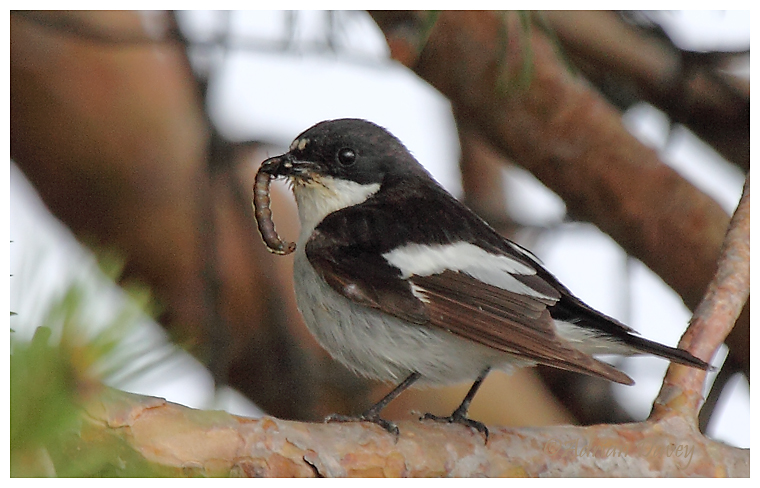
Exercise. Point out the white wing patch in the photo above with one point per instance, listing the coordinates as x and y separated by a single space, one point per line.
493 269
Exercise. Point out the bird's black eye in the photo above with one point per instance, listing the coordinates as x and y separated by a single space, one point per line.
346 156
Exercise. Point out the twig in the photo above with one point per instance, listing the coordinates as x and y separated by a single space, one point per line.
712 321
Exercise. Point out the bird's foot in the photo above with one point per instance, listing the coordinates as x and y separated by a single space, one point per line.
459 418
389 426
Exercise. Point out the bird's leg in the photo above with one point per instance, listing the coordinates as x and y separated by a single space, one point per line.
459 416
373 414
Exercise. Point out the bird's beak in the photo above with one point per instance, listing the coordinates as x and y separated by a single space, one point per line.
286 165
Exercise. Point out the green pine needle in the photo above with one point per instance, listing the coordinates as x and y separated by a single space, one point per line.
53 375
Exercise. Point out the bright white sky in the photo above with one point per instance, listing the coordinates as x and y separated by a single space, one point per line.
273 97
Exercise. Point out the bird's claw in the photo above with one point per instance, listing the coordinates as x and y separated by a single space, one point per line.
387 425
456 418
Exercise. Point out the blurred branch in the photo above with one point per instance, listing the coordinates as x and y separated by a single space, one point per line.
482 173
116 143
107 27
116 155
159 27
694 89
250 346
571 139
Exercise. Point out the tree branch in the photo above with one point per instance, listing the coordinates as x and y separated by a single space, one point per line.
172 440
713 320
692 88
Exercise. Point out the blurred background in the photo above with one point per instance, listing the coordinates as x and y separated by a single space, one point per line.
135 138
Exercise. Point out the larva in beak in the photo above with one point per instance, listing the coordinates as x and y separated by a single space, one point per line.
263 212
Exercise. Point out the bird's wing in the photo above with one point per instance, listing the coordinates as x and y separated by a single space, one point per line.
489 297
507 321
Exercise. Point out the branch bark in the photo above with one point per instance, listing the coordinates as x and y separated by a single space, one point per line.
712 322
172 440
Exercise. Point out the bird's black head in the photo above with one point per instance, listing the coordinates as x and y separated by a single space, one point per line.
346 149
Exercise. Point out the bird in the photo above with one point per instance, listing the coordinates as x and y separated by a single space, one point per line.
400 282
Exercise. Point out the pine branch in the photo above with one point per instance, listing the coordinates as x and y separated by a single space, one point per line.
681 393
173 440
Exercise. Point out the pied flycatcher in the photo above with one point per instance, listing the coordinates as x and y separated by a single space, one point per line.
399 281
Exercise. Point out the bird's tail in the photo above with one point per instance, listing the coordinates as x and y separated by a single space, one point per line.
575 311
670 353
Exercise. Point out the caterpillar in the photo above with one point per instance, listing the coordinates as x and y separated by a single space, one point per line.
263 212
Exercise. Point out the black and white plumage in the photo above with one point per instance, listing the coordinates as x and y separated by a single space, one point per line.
398 280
